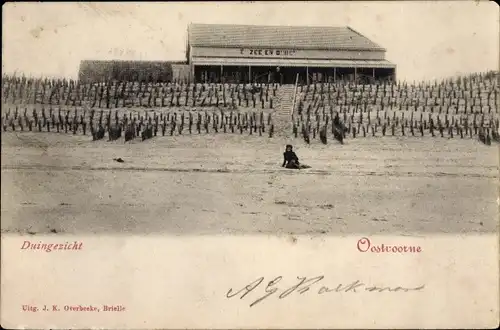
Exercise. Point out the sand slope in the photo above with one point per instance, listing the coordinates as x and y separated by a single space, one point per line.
219 184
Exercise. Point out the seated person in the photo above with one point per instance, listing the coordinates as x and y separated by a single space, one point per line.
290 159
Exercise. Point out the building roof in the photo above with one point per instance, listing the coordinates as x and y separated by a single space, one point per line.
291 37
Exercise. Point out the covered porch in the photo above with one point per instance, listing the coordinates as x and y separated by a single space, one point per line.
285 71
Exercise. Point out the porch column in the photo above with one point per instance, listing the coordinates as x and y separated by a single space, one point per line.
373 73
222 74
307 74
249 74
355 73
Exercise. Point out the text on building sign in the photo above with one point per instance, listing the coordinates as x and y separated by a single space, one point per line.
267 52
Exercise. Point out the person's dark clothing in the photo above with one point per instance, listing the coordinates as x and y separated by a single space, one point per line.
336 120
290 159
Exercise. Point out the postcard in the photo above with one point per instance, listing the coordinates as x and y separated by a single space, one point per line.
244 165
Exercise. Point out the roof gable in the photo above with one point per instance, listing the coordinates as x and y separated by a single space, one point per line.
314 37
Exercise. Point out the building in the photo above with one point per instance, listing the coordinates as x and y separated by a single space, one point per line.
283 54
249 53
99 71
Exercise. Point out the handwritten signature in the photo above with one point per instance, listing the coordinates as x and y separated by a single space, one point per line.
306 284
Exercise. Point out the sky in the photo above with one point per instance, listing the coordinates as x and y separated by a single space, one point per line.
426 40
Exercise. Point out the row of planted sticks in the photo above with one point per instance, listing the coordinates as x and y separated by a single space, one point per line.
459 80
461 83
456 85
177 85
400 102
318 108
402 90
318 129
150 125
72 91
397 116
116 93
120 94
144 126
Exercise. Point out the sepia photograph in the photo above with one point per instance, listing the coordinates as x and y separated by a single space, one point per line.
246 129
200 120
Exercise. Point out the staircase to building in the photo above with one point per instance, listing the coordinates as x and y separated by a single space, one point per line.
283 114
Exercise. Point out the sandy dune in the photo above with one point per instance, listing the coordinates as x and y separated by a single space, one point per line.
220 184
